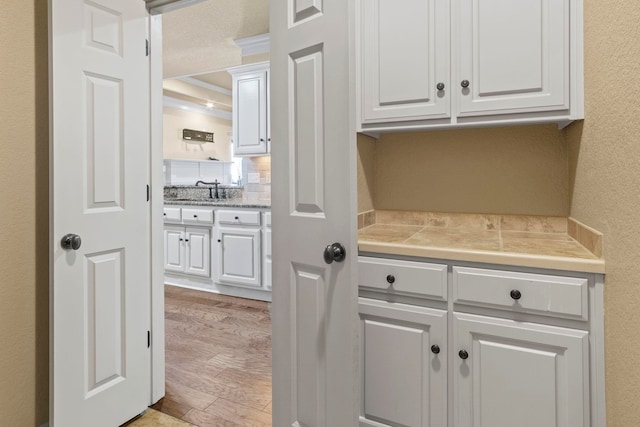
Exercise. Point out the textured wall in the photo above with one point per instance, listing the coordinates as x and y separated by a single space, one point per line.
24 211
174 147
509 170
604 165
366 172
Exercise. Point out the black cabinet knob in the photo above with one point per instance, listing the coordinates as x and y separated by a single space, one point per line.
391 279
237 218
440 86
464 83
219 241
463 354
195 216
435 349
515 294
165 214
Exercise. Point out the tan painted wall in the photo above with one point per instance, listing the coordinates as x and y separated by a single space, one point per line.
24 209
174 147
366 172
509 170
604 164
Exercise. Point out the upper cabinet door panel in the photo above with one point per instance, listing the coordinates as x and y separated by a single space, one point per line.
514 55
250 113
405 54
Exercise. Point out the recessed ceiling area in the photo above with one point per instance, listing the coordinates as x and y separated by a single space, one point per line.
198 47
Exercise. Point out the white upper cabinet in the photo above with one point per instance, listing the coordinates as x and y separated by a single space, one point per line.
459 63
405 56
513 56
251 109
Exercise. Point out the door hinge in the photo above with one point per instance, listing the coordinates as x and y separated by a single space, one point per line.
148 339
147 47
148 193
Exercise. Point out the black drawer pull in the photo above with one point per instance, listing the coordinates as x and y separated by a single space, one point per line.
515 294
435 349
391 279
463 354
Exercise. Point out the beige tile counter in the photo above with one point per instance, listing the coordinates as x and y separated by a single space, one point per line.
528 241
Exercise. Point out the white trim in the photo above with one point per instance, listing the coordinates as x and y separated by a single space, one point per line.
162 6
254 44
157 386
170 102
205 85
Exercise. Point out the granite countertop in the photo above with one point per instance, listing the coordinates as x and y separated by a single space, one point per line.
226 203
191 195
529 241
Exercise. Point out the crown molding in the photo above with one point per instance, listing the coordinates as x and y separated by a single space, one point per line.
170 102
254 44
205 85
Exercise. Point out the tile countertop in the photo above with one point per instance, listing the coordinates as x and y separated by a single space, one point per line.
529 241
226 203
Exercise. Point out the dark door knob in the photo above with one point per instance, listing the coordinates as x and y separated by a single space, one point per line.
464 83
463 354
435 349
515 294
71 241
335 252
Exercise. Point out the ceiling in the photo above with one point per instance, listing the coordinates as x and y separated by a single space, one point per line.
198 47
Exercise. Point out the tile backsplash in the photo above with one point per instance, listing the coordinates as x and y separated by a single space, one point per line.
259 170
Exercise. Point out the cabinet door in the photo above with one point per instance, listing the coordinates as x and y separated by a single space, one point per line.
519 374
514 55
404 379
405 54
198 253
174 249
266 272
239 256
250 113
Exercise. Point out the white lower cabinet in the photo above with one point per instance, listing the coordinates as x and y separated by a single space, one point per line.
187 250
509 373
525 348
404 368
238 260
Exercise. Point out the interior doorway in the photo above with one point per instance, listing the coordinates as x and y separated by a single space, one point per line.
217 347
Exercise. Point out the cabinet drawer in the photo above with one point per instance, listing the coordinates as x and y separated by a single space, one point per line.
522 292
429 280
172 214
239 217
194 215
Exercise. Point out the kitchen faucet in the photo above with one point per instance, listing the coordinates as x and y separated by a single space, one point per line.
215 184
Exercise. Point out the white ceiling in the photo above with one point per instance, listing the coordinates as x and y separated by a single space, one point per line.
199 38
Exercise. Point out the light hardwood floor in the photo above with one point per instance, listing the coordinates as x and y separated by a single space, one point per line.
218 359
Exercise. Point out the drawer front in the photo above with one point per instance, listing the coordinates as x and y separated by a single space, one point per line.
267 219
420 278
172 214
239 217
195 215
522 292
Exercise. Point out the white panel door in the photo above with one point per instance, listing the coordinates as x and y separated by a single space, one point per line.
174 248
404 372
519 374
100 296
198 251
315 312
239 256
250 113
405 56
514 56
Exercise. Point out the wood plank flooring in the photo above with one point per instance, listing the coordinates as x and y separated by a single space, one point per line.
218 359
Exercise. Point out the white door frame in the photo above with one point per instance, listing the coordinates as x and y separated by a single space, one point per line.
157 220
